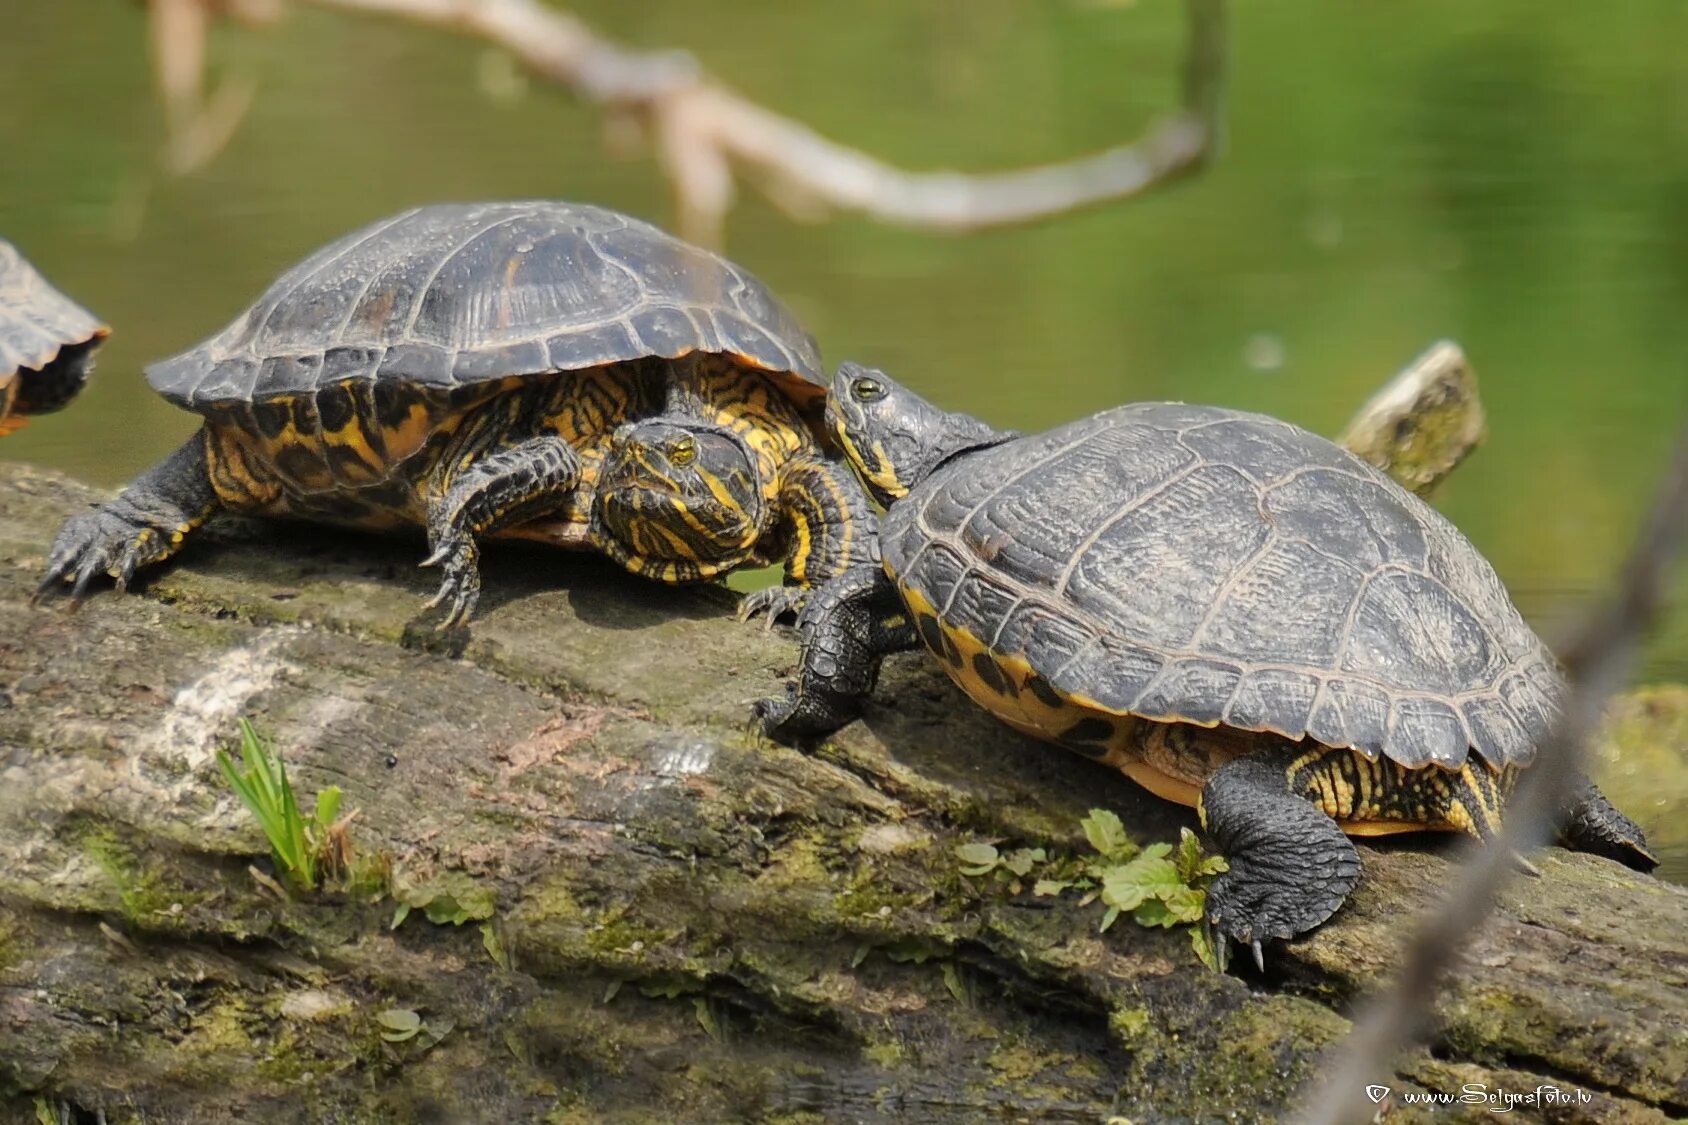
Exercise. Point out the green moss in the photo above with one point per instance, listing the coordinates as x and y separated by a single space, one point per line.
1017 1063
10 955
618 939
1129 1025
887 1053
143 894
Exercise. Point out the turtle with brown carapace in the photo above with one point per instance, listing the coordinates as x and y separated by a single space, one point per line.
47 343
478 369
1234 612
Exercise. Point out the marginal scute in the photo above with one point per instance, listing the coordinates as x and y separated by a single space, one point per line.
1276 699
1193 690
1364 713
1423 731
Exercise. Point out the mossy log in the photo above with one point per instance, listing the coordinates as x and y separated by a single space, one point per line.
688 924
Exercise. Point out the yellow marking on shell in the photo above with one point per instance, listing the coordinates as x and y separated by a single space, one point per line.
1177 775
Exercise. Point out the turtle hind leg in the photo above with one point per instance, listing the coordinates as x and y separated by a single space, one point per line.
1592 825
1291 867
144 525
500 489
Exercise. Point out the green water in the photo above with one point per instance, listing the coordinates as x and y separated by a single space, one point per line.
1512 174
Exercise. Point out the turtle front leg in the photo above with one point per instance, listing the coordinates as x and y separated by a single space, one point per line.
846 630
829 528
145 524
1291 867
499 490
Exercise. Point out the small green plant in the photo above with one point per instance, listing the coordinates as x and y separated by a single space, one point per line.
301 848
1159 885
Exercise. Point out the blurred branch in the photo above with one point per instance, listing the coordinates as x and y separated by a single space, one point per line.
197 127
1598 663
707 134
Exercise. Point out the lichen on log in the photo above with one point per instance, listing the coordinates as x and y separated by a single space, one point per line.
688 923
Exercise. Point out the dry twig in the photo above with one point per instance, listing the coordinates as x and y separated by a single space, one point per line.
707 135
1598 663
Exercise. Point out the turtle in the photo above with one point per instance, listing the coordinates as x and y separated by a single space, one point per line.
1238 614
467 367
47 342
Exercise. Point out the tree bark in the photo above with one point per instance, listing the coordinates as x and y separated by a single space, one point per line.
698 925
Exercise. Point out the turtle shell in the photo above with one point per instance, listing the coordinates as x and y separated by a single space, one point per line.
450 295
1200 565
46 339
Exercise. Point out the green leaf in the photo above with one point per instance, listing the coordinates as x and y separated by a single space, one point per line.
977 859
1022 860
609 992
953 982
448 898
400 915
1189 854
706 1018
1043 888
1212 865
1107 835
860 955
1174 907
1201 942
1156 851
262 786
328 807
1109 918
435 1030
1145 877
400 1024
1153 912
494 947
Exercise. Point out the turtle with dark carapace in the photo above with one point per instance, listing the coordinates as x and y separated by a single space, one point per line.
47 342
1234 612
472 368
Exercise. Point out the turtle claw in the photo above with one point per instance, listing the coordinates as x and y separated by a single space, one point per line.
1259 955
460 587
95 543
774 601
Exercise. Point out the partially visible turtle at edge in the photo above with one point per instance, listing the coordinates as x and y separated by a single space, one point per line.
484 368
1234 612
47 343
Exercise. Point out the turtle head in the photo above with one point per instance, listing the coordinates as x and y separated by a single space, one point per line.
681 492
892 436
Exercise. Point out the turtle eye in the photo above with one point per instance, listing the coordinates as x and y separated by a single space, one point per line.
682 452
866 390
